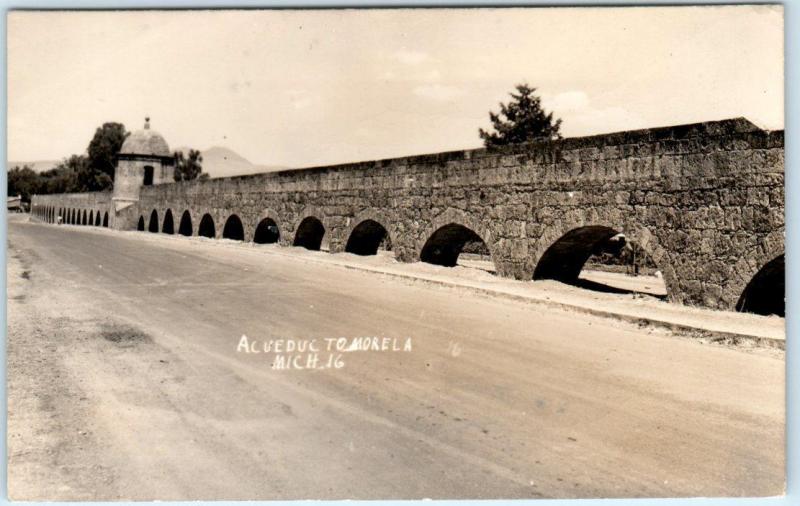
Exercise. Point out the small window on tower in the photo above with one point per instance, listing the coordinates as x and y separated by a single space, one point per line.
148 175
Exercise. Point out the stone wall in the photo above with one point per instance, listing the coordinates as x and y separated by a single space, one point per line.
71 207
705 200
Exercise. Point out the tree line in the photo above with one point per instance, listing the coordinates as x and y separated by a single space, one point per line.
93 171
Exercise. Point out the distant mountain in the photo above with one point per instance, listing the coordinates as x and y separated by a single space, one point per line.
219 161
37 166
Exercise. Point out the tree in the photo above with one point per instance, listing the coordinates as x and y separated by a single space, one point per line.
23 181
63 178
88 178
189 168
521 120
103 150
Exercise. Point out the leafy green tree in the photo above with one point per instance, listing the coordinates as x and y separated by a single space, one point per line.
521 120
63 178
189 167
88 178
103 150
23 181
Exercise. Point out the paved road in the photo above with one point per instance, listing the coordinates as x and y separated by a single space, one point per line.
125 382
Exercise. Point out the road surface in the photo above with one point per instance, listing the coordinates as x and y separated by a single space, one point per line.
128 380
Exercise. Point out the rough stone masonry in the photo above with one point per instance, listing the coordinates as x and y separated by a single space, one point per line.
705 200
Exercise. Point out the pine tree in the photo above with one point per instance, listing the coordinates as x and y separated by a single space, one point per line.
521 120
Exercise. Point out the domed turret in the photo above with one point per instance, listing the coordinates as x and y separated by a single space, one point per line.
144 160
145 142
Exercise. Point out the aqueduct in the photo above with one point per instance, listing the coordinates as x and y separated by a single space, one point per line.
705 200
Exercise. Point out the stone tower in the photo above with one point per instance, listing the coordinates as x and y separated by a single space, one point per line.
144 160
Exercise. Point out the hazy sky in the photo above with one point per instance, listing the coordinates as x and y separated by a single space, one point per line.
302 88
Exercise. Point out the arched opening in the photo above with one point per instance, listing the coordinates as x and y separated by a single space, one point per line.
367 237
266 232
765 294
169 226
207 228
185 227
91 217
97 219
105 219
153 225
140 225
85 218
148 175
233 229
73 219
601 258
309 234
447 243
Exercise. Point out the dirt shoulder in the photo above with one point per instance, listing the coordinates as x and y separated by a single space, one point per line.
62 357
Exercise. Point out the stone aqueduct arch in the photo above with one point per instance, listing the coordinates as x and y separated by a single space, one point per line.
233 228
667 189
251 227
457 217
386 220
312 212
610 218
746 268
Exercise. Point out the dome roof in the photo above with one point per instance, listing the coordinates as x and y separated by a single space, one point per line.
145 142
